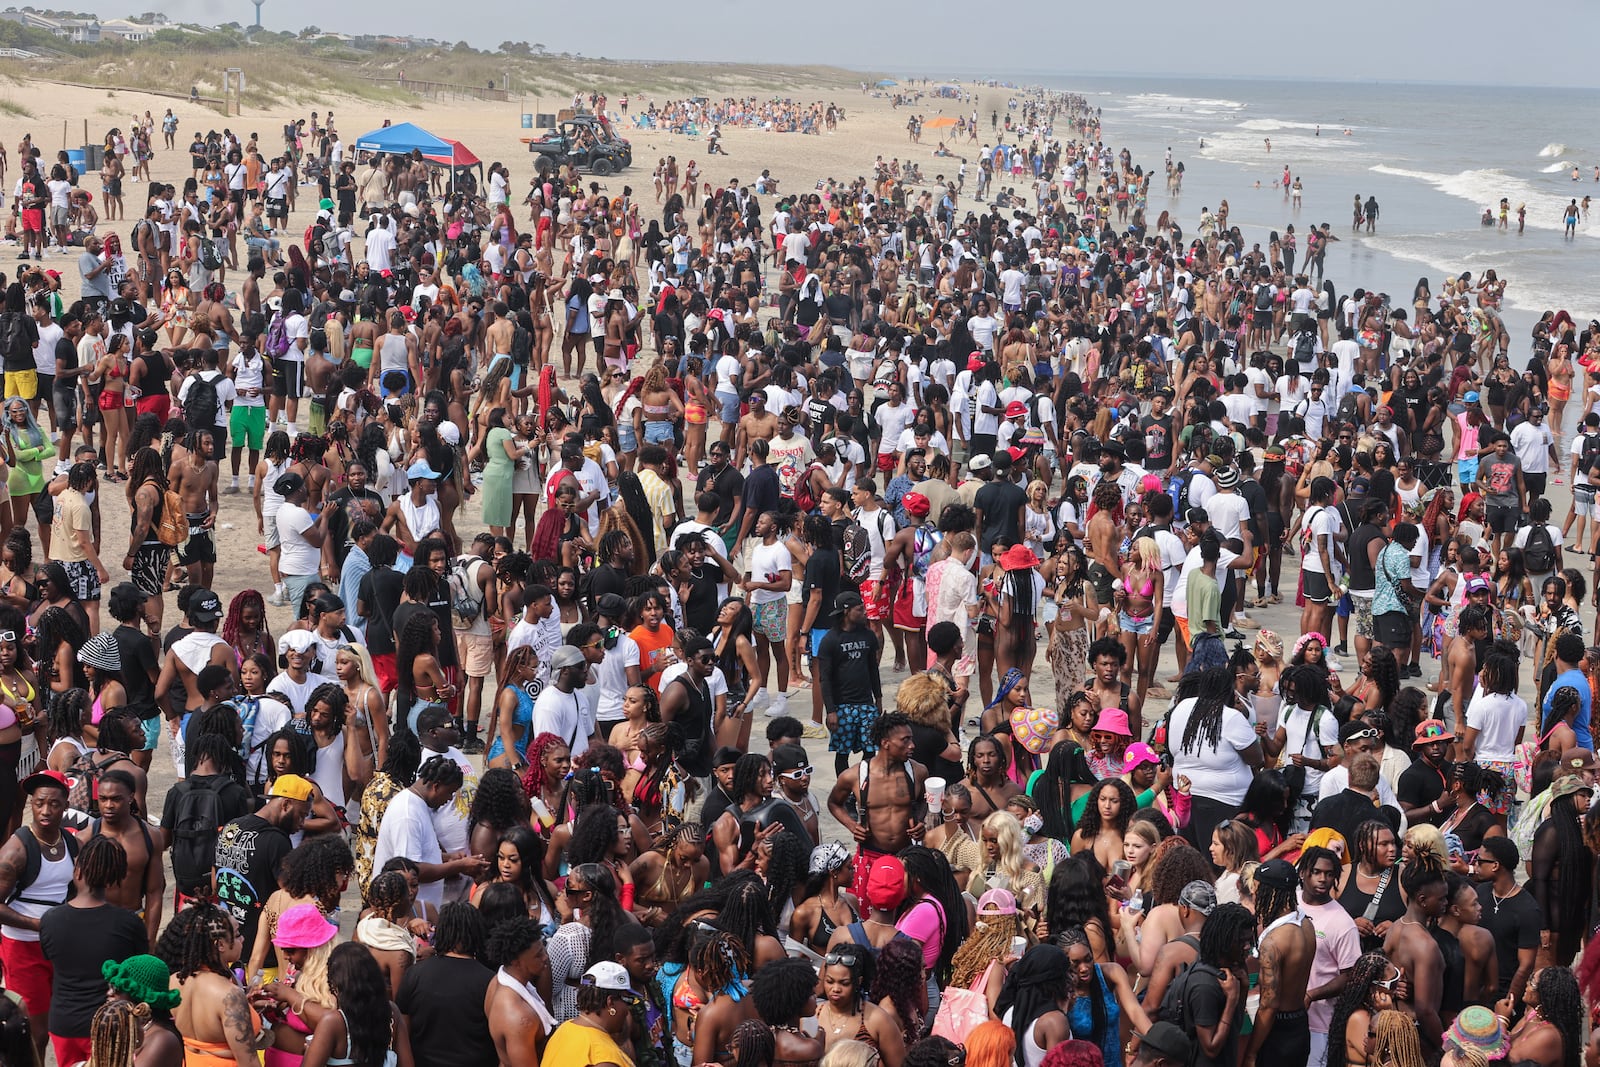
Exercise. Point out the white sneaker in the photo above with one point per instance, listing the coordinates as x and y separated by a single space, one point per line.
278 600
777 704
1334 666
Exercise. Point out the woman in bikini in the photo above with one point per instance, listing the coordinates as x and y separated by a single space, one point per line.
669 872
206 943
696 410
353 666
112 370
19 727
828 905
847 1015
1139 612
660 409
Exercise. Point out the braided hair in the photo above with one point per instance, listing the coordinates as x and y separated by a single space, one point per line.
930 869
718 959
1369 969
460 930
102 862
754 1044
117 1033
1227 935
1561 1005
189 943
1397 1043
1213 695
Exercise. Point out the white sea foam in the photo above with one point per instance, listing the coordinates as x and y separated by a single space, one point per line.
1269 125
1484 188
1434 252
1196 104
1557 168
1553 149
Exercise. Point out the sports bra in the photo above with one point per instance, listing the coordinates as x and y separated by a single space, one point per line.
8 713
824 932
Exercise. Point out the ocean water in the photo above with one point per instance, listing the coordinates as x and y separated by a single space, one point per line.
1435 156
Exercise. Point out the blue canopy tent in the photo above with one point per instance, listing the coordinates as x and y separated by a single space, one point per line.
403 138
885 83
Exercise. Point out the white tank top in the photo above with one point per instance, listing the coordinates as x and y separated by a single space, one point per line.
48 890
422 519
329 771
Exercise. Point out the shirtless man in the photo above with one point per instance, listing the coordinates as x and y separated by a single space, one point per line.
250 291
1288 941
195 482
1164 956
498 333
192 653
752 783
1458 680
1411 947
141 890
759 425
888 789
1104 536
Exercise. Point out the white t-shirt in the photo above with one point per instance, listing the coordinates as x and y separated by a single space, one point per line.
1217 772
1240 407
983 330
407 830
1180 588
982 421
562 714
727 370
1532 446
44 353
271 716
1496 717
766 563
895 419
1229 512
1293 722
296 555
1321 521
611 678
296 328
1521 539
249 375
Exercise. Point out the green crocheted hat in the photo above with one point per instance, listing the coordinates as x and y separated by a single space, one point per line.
143 979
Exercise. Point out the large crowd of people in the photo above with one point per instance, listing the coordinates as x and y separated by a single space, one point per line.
977 496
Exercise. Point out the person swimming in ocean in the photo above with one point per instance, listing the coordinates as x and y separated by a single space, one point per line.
1572 218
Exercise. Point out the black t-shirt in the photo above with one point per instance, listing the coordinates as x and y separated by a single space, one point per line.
848 667
380 592
249 850
443 998
1514 921
66 359
1199 991
77 941
139 665
1347 809
1157 441
700 610
1420 785
822 573
447 646
762 491
999 501
727 483
927 748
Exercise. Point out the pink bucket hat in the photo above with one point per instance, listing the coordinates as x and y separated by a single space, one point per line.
1138 753
303 926
1113 721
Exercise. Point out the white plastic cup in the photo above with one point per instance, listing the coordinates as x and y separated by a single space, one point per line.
934 787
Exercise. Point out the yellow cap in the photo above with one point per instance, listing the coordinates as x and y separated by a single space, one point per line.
291 787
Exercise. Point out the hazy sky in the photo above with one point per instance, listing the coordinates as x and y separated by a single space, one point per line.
1536 42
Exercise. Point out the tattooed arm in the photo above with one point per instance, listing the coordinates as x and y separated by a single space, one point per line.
1267 1010
240 1027
13 858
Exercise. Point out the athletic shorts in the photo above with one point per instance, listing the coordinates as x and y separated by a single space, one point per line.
1583 501
772 619
817 635
1361 611
383 666
1535 484
247 426
910 610
477 654
23 383
82 578
28 973
44 508
289 378
65 404
201 546
1393 628
150 568
1316 588
875 596
1502 520
1100 579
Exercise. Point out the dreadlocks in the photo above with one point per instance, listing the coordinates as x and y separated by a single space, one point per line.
1561 1005
242 602
1227 935
1213 694
754 1043
718 959
1273 902
189 943
460 930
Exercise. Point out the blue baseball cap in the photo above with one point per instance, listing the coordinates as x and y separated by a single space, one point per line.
420 469
1471 398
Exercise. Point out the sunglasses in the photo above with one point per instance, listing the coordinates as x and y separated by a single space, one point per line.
1360 734
843 958
8 635
1388 984
797 774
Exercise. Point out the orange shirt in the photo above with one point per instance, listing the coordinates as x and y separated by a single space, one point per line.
651 645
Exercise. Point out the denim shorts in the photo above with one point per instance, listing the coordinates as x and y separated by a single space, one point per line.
730 408
627 440
658 433
1134 624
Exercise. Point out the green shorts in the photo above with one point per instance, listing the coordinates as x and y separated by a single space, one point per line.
247 425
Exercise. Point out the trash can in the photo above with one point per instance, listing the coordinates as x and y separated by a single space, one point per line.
93 156
75 157
527 120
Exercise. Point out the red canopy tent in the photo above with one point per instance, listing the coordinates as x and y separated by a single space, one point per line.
460 156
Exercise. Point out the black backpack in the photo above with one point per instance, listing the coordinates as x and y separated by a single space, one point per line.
1263 297
1347 411
1540 553
1174 1007
14 341
197 819
209 258
1305 346
1589 458
200 408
